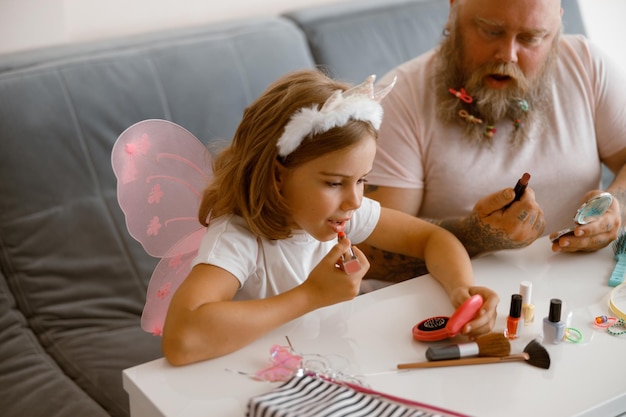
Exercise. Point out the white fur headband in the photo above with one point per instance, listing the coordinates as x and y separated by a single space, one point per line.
357 103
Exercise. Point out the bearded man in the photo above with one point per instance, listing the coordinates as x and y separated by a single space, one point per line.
505 93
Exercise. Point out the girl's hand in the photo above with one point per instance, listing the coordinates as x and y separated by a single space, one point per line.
328 284
484 321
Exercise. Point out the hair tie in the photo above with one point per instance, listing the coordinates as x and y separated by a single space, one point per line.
604 321
573 335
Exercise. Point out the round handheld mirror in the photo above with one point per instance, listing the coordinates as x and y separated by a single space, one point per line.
588 212
593 208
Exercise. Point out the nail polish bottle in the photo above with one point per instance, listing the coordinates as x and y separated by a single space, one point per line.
528 308
553 327
515 313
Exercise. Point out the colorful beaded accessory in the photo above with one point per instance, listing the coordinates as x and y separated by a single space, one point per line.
490 130
618 328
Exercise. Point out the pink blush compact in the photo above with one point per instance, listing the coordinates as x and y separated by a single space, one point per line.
438 328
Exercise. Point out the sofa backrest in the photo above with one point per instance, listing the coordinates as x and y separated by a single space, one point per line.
573 21
355 39
75 273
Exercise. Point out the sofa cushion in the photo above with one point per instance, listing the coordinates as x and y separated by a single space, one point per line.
75 273
29 376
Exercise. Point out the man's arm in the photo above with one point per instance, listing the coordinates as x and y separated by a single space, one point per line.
488 228
617 164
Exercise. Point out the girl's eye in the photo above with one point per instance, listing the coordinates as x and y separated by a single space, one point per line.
339 184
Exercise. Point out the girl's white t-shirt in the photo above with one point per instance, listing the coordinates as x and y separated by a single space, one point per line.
266 267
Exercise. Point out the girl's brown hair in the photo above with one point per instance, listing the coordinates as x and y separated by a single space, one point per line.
244 178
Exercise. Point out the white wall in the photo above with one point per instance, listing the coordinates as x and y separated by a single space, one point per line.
604 20
26 24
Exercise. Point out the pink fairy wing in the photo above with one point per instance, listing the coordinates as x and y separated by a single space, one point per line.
162 171
169 273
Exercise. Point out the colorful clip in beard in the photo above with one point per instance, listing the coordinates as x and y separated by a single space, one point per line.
477 109
487 109
480 108
516 110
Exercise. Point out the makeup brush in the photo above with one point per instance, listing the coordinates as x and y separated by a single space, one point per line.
492 344
619 249
534 354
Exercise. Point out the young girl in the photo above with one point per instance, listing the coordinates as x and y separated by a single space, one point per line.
289 184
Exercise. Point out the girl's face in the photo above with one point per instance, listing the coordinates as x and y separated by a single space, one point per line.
324 192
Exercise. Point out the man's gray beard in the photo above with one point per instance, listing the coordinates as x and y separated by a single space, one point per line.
491 105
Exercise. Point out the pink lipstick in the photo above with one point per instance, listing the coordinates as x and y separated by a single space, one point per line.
349 262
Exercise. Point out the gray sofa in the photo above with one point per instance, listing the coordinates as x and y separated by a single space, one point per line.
72 280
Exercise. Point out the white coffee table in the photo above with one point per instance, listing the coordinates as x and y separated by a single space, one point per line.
373 334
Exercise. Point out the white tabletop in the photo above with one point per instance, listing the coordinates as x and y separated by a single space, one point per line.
373 334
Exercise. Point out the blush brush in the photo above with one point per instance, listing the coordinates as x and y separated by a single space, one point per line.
534 354
492 344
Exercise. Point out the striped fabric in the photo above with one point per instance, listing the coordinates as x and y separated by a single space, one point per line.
308 396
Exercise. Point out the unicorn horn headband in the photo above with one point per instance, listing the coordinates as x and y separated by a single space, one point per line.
357 103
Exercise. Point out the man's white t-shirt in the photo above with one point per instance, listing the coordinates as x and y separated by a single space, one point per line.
586 123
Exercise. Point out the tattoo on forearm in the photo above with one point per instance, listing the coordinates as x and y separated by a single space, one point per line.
393 267
620 195
478 237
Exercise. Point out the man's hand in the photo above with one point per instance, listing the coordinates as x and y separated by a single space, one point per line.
591 236
492 227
